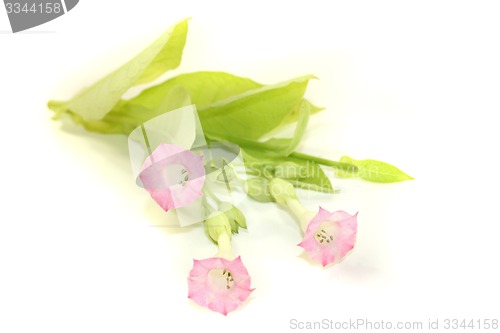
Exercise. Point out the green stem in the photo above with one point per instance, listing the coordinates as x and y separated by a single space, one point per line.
147 142
206 207
300 156
211 194
323 161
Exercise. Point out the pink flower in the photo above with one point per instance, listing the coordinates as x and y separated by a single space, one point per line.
330 236
219 284
173 176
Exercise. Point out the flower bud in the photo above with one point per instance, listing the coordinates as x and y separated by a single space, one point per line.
281 190
290 170
258 189
216 224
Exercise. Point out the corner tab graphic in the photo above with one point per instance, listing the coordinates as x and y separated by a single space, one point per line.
26 14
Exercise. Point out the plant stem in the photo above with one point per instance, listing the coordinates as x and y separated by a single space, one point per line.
323 161
300 156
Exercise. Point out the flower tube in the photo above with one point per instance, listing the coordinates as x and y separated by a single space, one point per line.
328 236
220 283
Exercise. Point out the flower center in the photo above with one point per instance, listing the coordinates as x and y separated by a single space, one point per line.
324 233
176 174
221 279
322 236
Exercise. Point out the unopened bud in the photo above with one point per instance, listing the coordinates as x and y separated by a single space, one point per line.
216 224
258 189
281 190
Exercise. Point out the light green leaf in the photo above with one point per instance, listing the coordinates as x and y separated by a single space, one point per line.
94 102
375 171
316 178
285 147
170 55
294 115
124 118
290 170
255 112
176 98
312 186
205 88
178 127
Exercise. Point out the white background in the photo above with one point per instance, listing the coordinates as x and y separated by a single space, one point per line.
415 84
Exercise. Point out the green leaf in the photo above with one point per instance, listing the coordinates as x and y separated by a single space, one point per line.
312 186
253 113
316 178
170 55
124 118
179 127
290 170
176 98
374 171
285 147
94 102
294 115
205 88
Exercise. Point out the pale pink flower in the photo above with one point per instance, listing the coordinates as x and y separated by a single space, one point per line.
219 284
173 176
330 236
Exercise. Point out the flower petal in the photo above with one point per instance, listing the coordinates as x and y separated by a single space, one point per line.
219 284
173 176
330 236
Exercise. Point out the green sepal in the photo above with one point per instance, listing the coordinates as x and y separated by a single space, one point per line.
235 216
